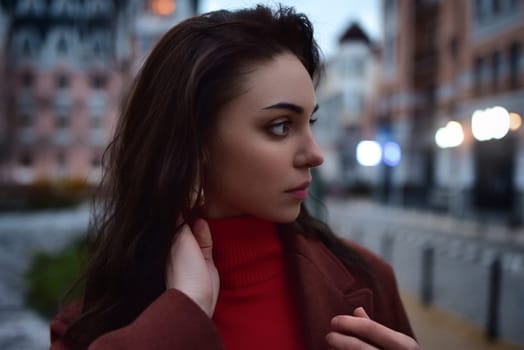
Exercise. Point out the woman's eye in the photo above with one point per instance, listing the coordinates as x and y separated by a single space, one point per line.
280 128
312 121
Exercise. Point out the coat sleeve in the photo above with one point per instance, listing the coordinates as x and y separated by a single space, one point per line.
172 321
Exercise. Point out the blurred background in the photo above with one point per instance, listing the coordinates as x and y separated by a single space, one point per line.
420 121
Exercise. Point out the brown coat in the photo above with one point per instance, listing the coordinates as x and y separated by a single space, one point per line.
324 286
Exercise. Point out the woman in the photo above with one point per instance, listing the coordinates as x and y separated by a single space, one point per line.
204 242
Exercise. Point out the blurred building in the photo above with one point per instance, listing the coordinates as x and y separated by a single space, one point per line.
154 19
65 64
444 61
344 95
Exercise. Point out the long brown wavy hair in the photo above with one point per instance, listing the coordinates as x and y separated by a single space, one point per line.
153 166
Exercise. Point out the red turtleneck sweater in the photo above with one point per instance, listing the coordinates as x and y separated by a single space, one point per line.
255 308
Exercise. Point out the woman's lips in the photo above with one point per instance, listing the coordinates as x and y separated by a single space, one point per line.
299 192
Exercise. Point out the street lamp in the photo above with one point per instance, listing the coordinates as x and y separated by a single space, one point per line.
490 123
369 153
515 121
450 136
392 154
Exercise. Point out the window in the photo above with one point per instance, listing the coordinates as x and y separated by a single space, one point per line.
477 74
390 51
97 49
26 48
390 6
495 6
26 159
479 10
430 96
359 66
26 43
61 47
25 7
63 7
62 81
96 122
98 81
62 121
61 159
27 80
454 47
514 65
25 120
99 7
495 70
359 101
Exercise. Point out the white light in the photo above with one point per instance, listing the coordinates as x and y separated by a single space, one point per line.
369 153
491 123
440 138
455 133
451 135
480 125
392 154
499 122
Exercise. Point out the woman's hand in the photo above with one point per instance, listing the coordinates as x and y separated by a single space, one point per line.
360 332
190 266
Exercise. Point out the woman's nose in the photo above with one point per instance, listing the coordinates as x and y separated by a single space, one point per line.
310 155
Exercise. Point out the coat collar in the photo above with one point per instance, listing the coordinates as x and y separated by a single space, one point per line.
325 287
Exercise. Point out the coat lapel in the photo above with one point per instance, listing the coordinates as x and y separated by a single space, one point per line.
324 286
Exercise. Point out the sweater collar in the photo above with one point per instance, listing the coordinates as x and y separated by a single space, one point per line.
246 250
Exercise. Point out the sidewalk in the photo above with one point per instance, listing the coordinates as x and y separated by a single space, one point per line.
366 210
437 329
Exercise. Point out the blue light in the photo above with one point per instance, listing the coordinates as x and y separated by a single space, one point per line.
392 154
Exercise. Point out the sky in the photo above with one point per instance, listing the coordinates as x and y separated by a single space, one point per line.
330 18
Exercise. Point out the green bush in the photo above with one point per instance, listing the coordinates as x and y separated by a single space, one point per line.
50 275
45 194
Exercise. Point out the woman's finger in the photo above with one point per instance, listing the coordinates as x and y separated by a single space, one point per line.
190 267
202 235
339 341
369 331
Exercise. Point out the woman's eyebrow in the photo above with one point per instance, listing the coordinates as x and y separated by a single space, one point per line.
290 107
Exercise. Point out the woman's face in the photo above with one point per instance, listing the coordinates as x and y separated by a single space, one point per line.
263 148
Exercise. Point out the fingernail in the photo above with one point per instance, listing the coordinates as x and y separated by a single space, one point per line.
360 311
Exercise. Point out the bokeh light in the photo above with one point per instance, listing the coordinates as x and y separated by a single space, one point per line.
449 136
491 123
392 154
163 7
515 121
369 153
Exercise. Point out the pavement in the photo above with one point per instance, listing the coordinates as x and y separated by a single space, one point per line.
362 209
438 329
434 326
